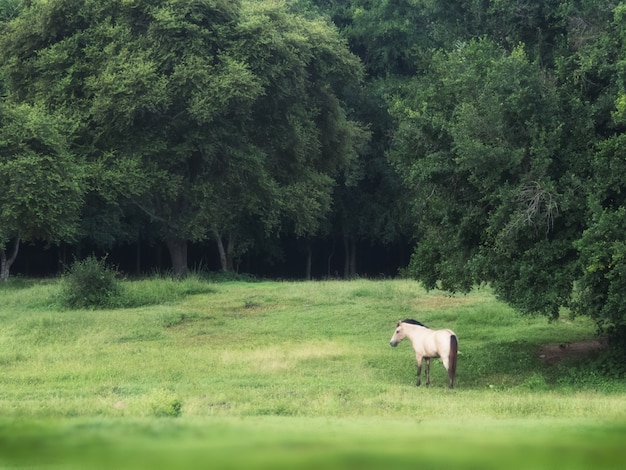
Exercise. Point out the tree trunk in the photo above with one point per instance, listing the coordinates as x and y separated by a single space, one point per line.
309 260
330 258
353 259
346 256
349 266
230 254
4 266
178 253
6 262
138 259
61 257
226 252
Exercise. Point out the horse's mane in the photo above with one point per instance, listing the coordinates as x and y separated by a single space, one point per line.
413 322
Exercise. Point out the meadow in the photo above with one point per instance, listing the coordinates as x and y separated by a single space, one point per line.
201 374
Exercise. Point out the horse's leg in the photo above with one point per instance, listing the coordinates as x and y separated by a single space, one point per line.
427 371
451 364
445 362
419 371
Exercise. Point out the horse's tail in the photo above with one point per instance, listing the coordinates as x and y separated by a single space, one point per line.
454 349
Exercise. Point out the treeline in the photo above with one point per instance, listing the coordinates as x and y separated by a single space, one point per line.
487 136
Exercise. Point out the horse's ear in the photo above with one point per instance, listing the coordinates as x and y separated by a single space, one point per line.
398 324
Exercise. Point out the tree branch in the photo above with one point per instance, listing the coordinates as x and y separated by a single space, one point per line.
150 213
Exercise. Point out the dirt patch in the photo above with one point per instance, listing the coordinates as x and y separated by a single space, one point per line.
555 353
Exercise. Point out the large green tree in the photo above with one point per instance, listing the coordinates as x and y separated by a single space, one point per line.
213 117
392 41
601 72
42 181
307 71
486 145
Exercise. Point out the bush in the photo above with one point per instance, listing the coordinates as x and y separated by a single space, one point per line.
90 283
163 404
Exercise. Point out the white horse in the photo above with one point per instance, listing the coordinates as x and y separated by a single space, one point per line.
428 344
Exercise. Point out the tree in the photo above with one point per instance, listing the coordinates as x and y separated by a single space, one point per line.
600 290
217 117
484 142
300 123
42 182
392 39
369 203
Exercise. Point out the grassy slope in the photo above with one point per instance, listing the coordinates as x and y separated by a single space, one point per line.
286 374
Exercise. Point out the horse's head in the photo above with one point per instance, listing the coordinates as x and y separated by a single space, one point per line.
398 335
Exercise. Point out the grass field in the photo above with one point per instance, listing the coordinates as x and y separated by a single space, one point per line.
195 374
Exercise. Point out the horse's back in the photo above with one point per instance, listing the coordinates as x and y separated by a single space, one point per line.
431 343
442 339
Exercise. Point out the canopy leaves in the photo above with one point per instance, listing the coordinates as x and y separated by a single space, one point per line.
204 99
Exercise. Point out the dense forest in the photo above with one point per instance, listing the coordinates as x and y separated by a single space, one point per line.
459 142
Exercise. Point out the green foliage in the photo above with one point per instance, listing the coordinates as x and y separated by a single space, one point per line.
611 364
199 100
163 404
90 283
493 205
42 181
9 9
602 247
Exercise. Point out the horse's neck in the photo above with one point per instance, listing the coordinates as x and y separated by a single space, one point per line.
416 332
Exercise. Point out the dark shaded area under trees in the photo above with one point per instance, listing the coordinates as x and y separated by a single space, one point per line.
327 259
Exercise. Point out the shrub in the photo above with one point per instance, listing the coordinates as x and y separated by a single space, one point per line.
163 404
90 283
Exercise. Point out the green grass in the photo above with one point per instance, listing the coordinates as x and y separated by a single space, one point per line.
295 374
